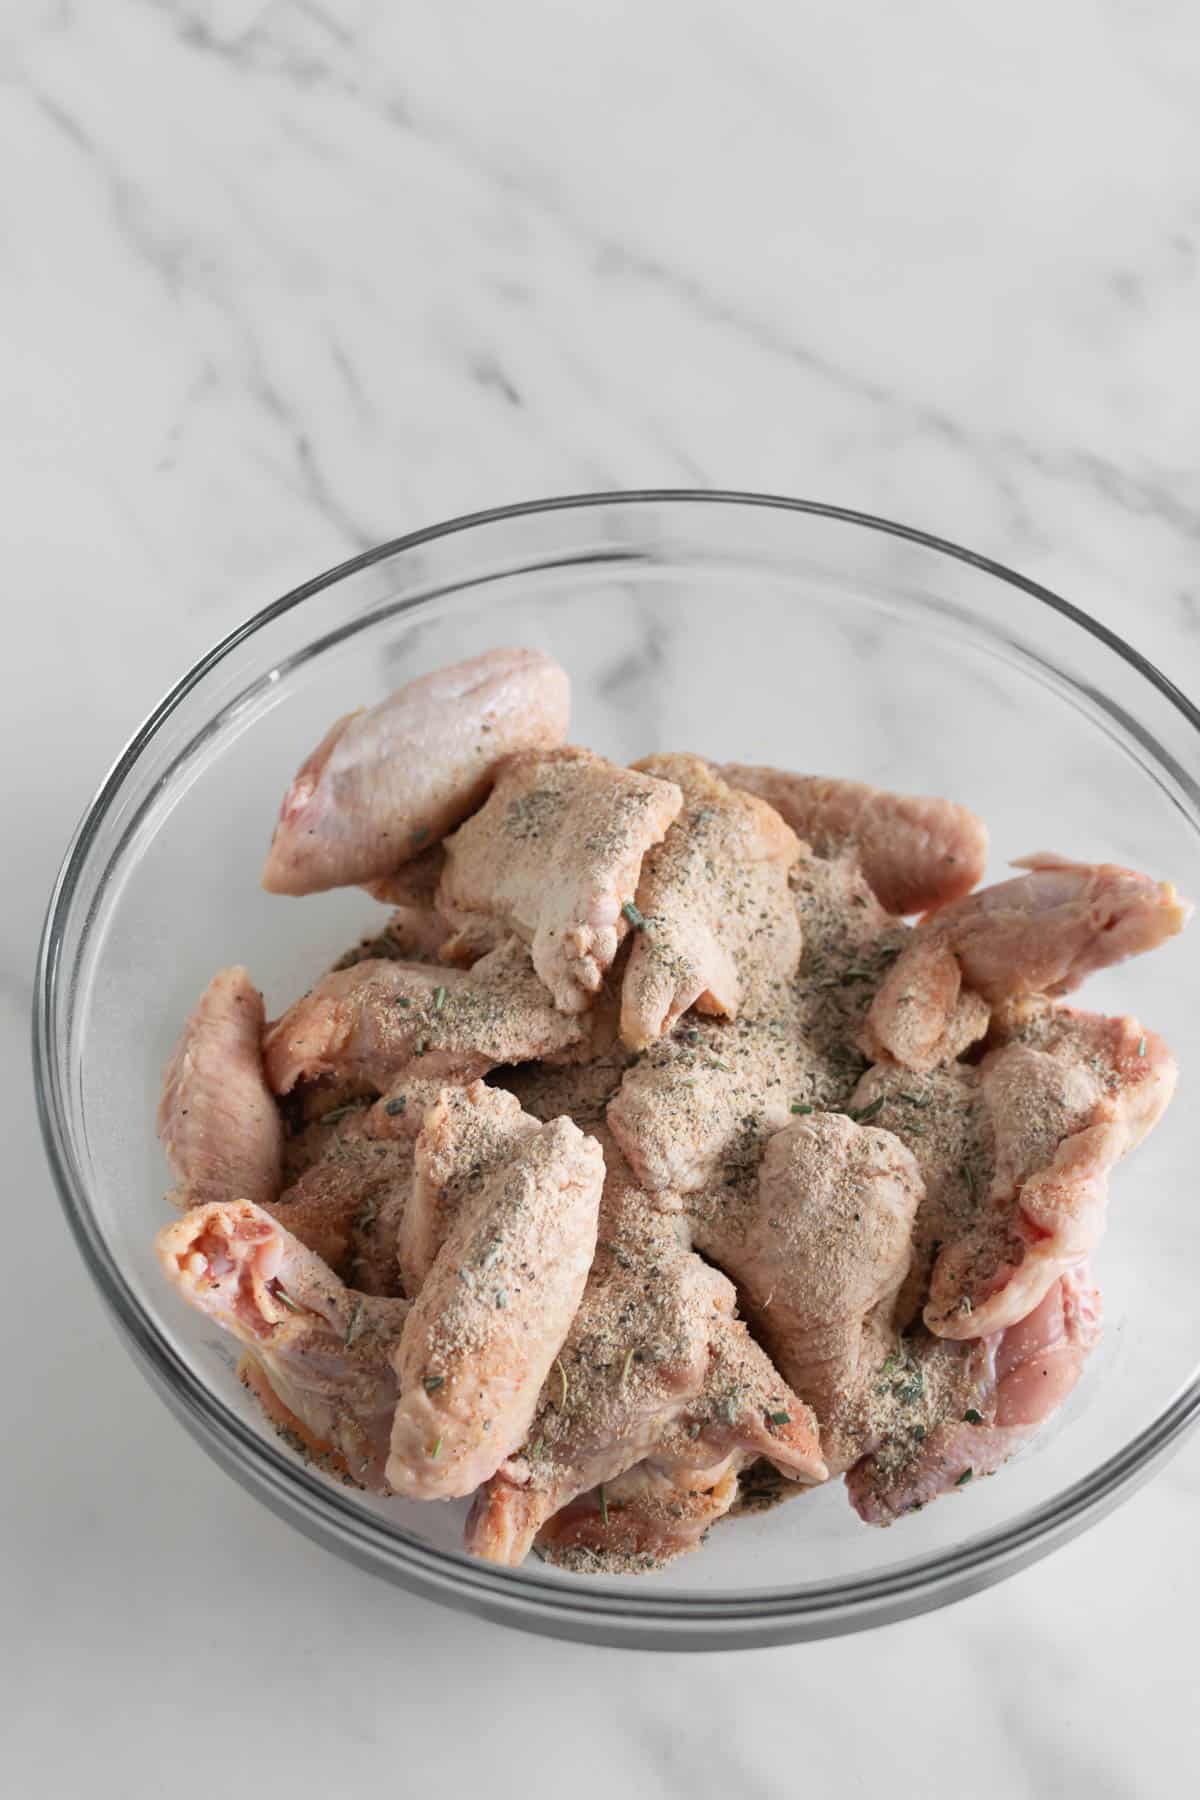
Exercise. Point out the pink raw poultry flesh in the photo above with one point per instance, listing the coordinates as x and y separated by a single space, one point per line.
643 1166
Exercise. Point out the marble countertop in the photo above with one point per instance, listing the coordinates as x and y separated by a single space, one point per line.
284 279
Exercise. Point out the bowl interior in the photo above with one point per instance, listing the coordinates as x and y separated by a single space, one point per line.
738 631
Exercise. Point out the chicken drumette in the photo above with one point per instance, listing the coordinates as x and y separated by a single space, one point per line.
819 1246
715 923
555 856
496 1304
465 1136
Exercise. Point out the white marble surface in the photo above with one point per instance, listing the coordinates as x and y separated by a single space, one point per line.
280 280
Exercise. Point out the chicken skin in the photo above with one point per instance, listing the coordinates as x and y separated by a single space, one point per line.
383 784
324 1351
642 1520
555 856
819 1248
945 1121
1068 1097
217 1118
412 888
698 1107
382 1021
493 1312
715 922
1015 1154
916 852
1041 933
465 1135
656 1367
1007 1386
350 1200
352 1178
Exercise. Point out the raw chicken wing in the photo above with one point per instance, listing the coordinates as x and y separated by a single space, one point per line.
1068 1097
466 1134
698 1107
385 783
642 1520
819 1250
715 922
1040 933
492 1313
944 1119
384 1021
916 852
217 1118
1009 1386
555 856
323 1350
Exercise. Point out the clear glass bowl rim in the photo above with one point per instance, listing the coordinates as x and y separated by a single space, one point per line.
523 1598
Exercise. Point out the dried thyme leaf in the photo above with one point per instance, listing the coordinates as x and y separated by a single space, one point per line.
864 1114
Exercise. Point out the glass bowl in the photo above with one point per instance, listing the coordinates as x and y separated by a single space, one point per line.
748 628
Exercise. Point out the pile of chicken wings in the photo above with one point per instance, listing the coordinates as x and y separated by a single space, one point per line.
646 1162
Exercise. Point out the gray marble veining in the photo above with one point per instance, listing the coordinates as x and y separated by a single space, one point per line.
283 279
